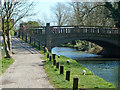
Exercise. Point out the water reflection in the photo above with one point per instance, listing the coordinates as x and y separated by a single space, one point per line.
108 70
72 53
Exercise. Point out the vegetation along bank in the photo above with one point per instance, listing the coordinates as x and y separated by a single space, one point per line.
59 80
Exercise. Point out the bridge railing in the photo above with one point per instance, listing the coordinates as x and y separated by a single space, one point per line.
41 30
75 29
30 39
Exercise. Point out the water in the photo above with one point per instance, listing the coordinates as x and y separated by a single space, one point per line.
72 53
108 70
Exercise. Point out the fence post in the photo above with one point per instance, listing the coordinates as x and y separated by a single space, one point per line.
54 62
22 35
30 39
21 28
34 41
53 56
48 55
61 69
75 83
68 75
19 34
57 65
50 58
39 45
26 38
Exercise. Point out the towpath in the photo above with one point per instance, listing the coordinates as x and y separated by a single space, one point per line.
27 71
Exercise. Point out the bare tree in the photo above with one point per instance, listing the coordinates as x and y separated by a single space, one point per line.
12 9
114 11
61 12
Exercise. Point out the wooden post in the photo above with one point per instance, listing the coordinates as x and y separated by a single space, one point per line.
39 46
19 34
50 58
75 83
68 75
58 56
61 69
53 56
21 28
48 55
57 65
26 38
54 62
22 35
34 42
30 39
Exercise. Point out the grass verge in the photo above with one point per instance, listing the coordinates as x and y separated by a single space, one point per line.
85 81
4 64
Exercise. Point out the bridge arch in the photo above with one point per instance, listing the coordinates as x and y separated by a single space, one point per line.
110 49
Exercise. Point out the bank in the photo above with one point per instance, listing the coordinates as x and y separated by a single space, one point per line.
85 81
82 46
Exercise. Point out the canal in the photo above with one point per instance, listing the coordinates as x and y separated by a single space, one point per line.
102 67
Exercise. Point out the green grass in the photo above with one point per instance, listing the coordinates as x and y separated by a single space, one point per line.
85 81
4 64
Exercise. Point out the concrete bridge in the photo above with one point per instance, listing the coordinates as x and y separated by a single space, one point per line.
51 36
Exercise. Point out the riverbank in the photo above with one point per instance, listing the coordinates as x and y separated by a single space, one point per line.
92 50
85 81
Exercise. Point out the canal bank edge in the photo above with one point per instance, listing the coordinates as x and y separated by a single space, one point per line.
91 80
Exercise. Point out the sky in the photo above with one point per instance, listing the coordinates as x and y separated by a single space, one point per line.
43 10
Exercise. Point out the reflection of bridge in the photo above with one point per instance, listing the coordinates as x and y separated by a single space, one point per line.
52 36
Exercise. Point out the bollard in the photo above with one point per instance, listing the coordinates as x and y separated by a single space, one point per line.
50 58
75 83
58 56
68 75
48 55
54 62
53 56
68 62
57 65
61 69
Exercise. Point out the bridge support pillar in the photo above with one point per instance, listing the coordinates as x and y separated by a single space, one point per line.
48 36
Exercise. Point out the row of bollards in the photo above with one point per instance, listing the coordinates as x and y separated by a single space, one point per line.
75 80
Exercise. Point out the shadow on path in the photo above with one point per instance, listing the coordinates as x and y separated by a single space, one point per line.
21 47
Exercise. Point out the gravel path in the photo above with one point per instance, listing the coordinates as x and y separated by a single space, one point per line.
27 70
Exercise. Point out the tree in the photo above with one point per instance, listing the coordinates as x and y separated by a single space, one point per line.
12 9
114 8
115 12
31 23
61 12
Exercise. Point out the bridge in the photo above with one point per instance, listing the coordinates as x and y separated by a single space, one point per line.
51 36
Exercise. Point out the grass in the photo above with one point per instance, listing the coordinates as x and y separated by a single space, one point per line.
4 64
85 81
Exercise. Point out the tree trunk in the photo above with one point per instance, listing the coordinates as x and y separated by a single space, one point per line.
7 51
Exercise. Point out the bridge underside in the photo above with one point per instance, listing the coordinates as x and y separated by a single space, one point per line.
111 46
